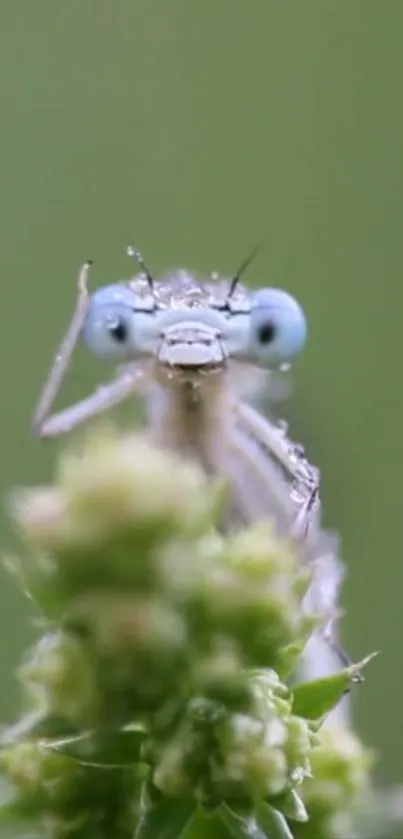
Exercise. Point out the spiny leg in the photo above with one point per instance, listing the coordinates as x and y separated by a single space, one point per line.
258 427
267 492
64 354
273 440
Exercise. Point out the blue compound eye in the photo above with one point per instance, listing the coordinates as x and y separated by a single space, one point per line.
109 326
278 327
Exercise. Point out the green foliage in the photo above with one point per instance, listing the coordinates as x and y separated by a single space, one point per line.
314 700
158 700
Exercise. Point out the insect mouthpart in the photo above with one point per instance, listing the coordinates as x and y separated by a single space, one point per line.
191 346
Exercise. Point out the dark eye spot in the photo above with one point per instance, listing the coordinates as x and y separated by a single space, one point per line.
266 333
118 330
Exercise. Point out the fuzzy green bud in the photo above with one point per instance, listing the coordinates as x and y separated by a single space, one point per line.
63 798
340 777
255 593
60 676
114 504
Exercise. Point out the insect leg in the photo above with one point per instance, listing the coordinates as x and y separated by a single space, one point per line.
258 482
64 354
100 400
270 436
305 524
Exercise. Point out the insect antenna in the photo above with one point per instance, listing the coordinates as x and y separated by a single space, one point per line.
237 277
133 252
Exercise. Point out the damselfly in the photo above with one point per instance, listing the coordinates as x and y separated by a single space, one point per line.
194 348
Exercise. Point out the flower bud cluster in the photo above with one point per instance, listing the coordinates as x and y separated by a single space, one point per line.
168 639
125 555
262 751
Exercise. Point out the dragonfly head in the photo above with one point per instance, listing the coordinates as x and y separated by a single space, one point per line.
185 324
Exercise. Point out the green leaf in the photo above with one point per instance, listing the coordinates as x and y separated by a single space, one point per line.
272 821
315 699
240 827
168 820
292 805
107 749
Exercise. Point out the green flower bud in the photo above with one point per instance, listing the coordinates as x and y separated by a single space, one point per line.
219 675
38 773
251 760
140 649
255 594
65 799
60 675
338 786
340 768
121 479
119 623
114 505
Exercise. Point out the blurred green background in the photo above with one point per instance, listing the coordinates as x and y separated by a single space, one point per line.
196 129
